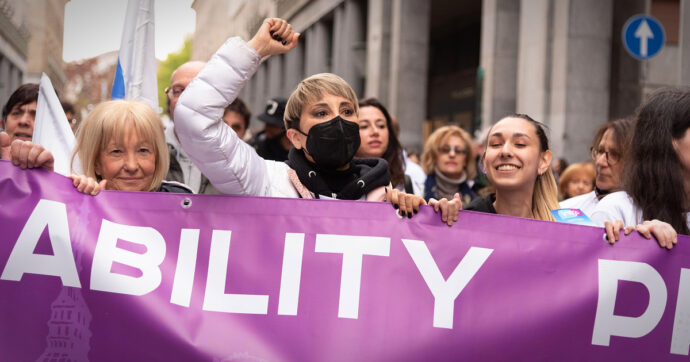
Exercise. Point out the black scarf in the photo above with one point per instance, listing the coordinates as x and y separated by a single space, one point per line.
363 175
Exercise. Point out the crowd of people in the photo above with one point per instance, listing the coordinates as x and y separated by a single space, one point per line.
324 143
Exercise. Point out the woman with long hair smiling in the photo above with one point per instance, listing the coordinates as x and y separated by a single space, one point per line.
516 162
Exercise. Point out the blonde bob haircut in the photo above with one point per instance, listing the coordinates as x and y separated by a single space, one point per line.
109 121
584 170
313 89
434 142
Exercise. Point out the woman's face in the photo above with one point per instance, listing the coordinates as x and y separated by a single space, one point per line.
373 131
513 159
452 156
320 111
579 185
128 166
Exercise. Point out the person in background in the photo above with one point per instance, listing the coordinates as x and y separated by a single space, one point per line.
412 168
19 113
448 161
608 149
412 155
320 119
272 143
378 141
578 179
121 146
656 196
70 114
516 162
558 166
182 169
237 116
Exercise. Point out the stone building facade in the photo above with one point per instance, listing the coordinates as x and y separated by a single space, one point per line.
467 63
31 37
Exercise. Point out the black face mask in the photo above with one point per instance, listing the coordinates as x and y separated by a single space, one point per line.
334 143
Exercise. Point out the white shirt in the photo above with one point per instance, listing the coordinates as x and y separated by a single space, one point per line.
190 174
620 206
417 176
586 203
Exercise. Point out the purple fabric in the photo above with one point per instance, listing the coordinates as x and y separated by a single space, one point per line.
534 298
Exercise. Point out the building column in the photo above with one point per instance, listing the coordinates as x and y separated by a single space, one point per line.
684 43
409 67
5 83
499 58
580 74
534 59
259 97
378 49
294 69
348 44
275 79
317 45
626 89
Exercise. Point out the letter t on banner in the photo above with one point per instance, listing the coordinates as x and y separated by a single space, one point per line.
445 291
353 249
606 324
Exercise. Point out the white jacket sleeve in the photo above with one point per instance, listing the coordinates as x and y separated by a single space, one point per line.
231 165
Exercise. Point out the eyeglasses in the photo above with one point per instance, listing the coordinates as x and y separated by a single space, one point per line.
456 149
174 92
612 157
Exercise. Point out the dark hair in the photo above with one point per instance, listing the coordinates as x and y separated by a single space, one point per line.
25 94
654 174
67 107
394 152
239 107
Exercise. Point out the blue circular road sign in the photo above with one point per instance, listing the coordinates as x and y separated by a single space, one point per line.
643 36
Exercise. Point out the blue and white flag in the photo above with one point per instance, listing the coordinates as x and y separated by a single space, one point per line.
135 77
52 129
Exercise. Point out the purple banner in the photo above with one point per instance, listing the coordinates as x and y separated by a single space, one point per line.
167 277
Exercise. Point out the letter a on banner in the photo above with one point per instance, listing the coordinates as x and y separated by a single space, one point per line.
53 215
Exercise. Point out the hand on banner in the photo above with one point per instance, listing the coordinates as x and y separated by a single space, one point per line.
4 146
449 209
87 185
407 203
274 37
613 229
30 155
663 232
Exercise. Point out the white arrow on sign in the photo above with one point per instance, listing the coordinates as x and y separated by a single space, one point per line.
644 33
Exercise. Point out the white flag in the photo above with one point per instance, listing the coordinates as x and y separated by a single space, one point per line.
52 130
135 77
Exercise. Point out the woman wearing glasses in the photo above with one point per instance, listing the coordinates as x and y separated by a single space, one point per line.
608 149
656 200
450 166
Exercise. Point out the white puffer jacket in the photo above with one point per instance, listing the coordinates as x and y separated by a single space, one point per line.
231 165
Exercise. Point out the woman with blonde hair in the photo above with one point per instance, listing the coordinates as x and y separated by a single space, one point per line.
516 162
320 122
121 146
577 179
448 161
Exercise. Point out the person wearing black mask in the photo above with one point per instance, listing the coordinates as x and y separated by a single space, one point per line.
321 123
272 143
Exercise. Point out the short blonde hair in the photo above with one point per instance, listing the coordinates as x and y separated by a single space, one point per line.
430 155
108 121
585 169
311 90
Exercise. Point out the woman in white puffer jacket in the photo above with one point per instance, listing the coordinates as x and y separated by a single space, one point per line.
321 123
